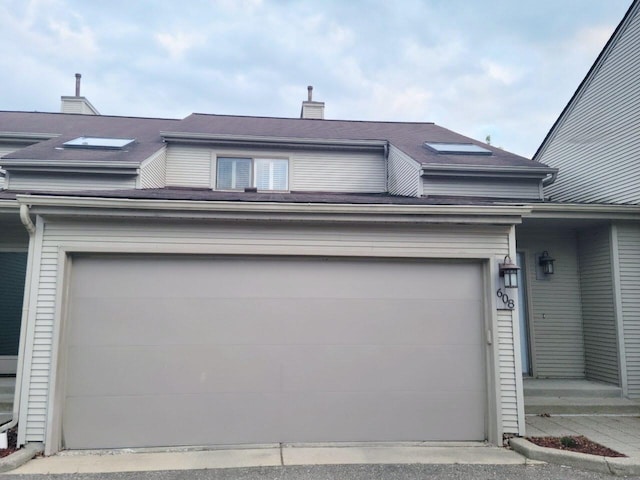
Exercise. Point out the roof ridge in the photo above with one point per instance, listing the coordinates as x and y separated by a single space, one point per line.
311 119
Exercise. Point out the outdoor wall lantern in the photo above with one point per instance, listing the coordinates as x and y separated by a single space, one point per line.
509 271
546 262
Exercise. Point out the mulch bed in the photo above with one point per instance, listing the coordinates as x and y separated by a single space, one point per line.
12 437
575 444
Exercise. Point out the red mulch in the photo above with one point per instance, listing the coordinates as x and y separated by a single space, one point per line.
581 444
12 437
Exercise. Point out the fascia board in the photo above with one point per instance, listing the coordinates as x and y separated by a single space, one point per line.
584 211
485 171
270 140
67 205
25 163
22 137
86 171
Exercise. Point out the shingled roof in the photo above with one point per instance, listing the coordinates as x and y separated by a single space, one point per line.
408 137
64 127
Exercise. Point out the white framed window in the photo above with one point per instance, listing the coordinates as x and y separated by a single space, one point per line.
234 173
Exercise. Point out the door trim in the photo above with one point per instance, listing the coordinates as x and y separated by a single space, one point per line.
53 435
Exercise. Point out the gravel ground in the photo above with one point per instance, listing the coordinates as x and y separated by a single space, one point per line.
348 472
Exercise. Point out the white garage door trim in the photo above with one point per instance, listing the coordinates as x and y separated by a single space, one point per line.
53 434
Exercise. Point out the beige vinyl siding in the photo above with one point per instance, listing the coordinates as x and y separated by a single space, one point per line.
193 166
629 256
404 174
338 172
598 309
508 388
77 105
555 317
596 146
153 170
72 107
69 182
188 166
482 187
429 241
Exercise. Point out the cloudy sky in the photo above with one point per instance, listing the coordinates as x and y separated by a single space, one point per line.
504 68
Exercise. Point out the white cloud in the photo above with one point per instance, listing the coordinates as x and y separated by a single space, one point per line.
79 38
508 67
177 44
504 74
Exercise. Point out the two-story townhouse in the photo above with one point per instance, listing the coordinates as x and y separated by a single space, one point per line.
261 280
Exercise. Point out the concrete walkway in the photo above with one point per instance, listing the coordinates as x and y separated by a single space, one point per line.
620 433
273 455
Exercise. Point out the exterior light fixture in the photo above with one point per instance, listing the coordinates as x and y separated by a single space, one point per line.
509 271
546 262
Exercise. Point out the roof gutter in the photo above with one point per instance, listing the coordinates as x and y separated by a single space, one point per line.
260 140
275 211
486 170
583 211
25 162
21 137
550 179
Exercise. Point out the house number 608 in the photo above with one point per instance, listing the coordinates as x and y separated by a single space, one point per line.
505 299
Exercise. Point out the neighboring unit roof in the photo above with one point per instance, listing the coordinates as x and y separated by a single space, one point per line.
71 126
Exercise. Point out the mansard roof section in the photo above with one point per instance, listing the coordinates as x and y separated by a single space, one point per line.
407 136
65 127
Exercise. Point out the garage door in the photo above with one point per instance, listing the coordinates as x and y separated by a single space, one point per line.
192 350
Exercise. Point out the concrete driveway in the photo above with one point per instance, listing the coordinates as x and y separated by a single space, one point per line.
347 472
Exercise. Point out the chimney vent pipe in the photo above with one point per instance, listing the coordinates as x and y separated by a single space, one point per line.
310 92
78 77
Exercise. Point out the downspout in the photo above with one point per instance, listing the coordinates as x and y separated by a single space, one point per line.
31 228
549 180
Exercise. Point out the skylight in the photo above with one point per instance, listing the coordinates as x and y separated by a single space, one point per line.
99 143
457 148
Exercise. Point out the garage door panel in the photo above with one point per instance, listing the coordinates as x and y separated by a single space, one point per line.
242 419
379 369
139 370
242 277
407 416
186 419
291 321
153 370
258 350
